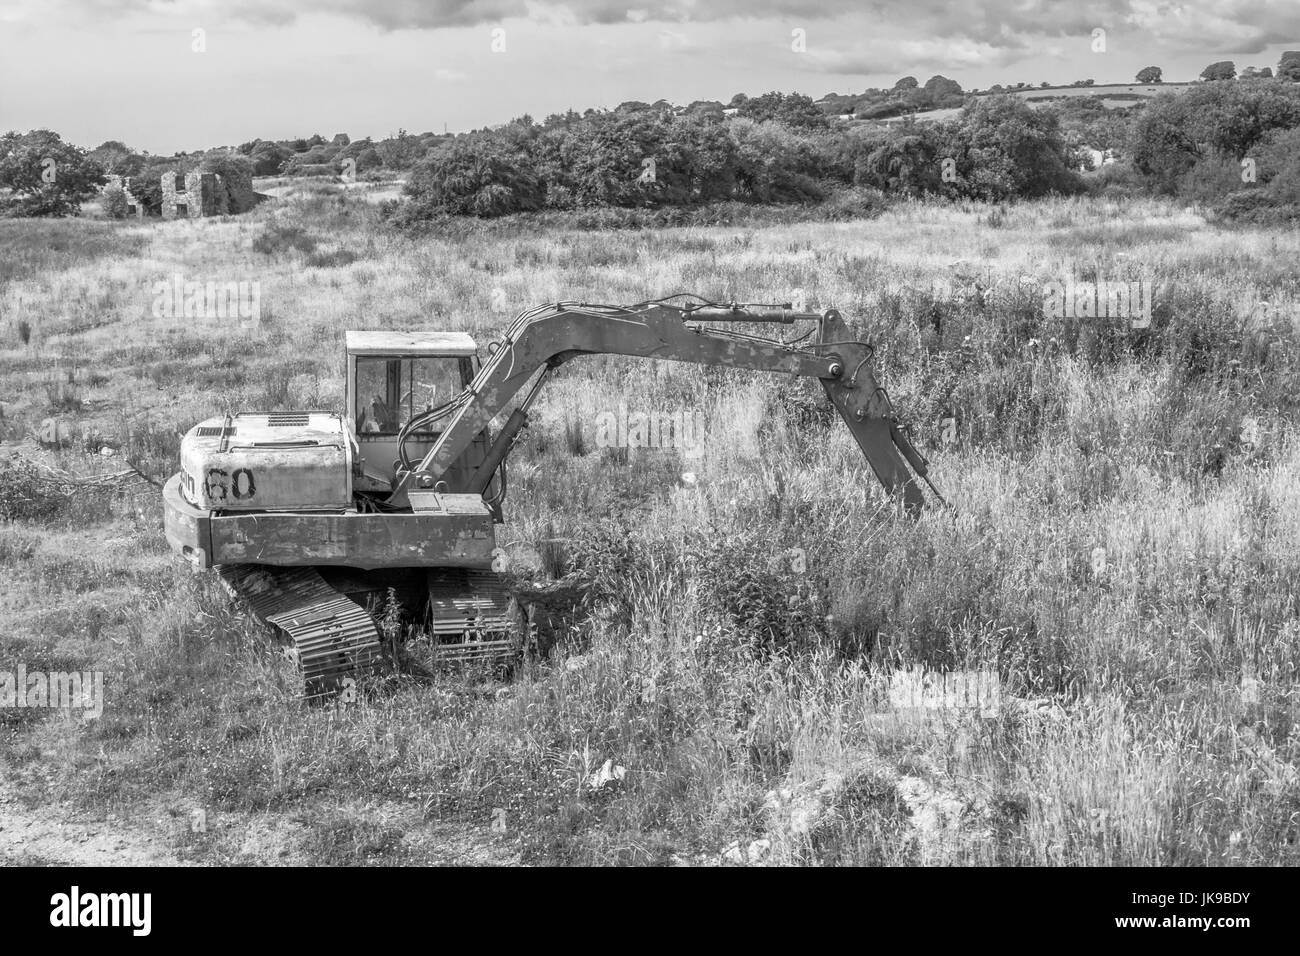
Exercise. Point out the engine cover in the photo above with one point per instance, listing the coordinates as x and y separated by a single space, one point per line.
290 461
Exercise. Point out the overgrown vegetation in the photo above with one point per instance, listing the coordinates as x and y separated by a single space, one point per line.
743 624
643 156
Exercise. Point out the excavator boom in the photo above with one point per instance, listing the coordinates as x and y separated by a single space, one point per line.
546 337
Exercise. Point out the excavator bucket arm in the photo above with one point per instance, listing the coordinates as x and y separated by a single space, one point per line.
865 408
550 335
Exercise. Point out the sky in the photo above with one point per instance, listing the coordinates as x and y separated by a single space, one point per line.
137 70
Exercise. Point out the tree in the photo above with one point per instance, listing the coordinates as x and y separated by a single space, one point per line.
793 109
777 163
906 161
1179 142
400 151
1222 70
48 176
1004 148
906 83
269 158
487 173
1288 68
1162 146
1150 74
114 202
368 159
943 91
116 157
706 108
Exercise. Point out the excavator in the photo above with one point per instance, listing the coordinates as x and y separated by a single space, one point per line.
314 516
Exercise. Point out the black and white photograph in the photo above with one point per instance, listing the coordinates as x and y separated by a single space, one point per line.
770 434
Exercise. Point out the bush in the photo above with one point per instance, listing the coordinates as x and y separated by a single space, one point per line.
24 494
268 158
1175 132
1005 149
792 109
236 182
114 201
483 174
330 260
278 238
1000 148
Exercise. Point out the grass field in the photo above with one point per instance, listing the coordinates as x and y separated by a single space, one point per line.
1121 550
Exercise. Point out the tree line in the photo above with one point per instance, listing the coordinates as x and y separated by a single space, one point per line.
1233 144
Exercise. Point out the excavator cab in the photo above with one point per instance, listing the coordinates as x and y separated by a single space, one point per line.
393 377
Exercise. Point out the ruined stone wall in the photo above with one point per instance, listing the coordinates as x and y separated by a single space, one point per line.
200 196
133 206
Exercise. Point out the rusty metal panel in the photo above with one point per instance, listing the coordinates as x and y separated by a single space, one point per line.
434 502
403 344
188 529
435 539
269 462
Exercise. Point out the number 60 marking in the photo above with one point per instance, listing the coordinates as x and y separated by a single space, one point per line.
241 484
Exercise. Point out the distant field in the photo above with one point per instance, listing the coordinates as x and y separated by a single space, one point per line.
1121 552
1113 96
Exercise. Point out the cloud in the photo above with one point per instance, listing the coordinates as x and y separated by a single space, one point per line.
670 41
1245 26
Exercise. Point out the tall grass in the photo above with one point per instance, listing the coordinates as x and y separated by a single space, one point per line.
1121 550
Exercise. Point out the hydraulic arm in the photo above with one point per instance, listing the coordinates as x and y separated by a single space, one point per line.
544 338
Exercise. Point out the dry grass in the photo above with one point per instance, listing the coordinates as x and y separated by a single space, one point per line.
710 670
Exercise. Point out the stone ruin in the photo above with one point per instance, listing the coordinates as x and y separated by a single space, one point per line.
133 206
194 195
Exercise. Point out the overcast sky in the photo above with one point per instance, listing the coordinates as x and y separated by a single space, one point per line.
127 69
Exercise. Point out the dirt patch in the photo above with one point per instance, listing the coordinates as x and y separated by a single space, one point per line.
55 835
173 832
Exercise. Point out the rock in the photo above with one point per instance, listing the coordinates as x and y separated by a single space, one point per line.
106 451
800 811
608 777
649 690
1250 690
932 810
1042 708
744 854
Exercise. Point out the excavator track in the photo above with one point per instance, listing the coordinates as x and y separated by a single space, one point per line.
333 638
472 618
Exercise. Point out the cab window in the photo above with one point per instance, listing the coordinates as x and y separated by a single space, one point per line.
390 391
